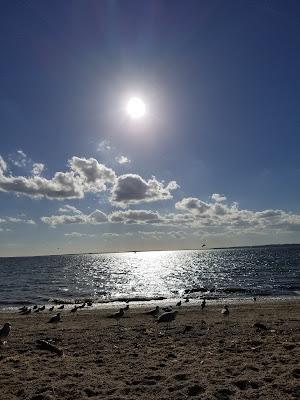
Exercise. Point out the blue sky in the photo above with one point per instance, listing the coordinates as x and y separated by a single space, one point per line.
220 81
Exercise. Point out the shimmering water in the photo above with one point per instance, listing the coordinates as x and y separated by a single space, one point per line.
271 271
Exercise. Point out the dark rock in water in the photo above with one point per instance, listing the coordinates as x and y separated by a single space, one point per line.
195 390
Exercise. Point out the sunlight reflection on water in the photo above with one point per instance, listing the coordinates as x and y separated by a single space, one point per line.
150 274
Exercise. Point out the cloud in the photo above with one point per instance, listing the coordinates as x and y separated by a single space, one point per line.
19 159
122 160
95 218
3 166
37 169
16 220
69 209
231 217
85 175
79 235
133 189
104 146
218 197
135 217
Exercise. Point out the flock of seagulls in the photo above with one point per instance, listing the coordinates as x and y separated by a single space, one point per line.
164 315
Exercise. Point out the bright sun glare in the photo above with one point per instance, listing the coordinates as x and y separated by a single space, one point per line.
135 108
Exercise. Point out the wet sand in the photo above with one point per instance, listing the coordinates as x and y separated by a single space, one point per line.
217 359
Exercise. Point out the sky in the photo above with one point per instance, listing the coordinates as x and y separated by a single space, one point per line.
215 158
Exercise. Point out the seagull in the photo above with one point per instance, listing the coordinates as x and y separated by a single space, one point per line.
74 309
61 307
51 308
89 303
254 298
82 305
23 308
187 300
167 317
225 311
35 307
26 312
42 308
126 308
55 319
203 304
117 315
178 304
154 312
4 332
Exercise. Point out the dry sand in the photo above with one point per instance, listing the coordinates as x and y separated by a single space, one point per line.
215 360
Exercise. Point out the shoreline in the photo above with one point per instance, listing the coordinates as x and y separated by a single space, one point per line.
162 302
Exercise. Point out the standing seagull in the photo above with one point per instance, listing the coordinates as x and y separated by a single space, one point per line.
117 315
55 319
154 312
4 332
203 304
178 304
126 308
167 317
225 311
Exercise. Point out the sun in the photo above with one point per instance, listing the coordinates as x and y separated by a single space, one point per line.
136 108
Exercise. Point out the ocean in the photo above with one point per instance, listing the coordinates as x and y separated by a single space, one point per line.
141 276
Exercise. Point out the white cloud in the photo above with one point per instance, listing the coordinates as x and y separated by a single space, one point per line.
37 169
133 189
122 160
104 146
3 166
79 235
85 175
19 159
16 220
96 217
69 209
135 217
219 198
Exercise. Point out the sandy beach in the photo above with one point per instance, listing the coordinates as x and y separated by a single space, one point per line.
203 355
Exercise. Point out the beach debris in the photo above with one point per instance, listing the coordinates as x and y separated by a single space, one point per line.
51 308
4 332
225 311
45 345
61 307
167 317
178 304
203 304
260 327
154 312
187 328
74 309
55 319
